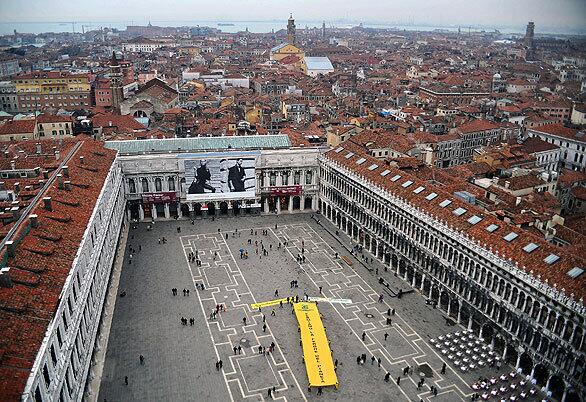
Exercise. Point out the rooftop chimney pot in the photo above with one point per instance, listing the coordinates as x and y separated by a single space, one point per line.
65 171
48 204
5 281
10 248
34 220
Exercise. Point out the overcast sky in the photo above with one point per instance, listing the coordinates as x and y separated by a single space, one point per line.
488 13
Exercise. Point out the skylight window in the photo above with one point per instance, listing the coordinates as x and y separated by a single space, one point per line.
360 161
396 177
511 236
431 196
385 172
491 228
407 184
349 155
550 259
373 166
419 189
339 149
459 211
530 247
575 272
445 203
473 220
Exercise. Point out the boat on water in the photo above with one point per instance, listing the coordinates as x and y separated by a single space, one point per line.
225 24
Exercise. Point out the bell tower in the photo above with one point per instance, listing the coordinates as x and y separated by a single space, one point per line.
116 83
291 30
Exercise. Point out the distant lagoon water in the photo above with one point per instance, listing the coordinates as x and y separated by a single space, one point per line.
7 28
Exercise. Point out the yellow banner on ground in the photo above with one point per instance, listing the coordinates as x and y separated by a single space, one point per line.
316 348
268 303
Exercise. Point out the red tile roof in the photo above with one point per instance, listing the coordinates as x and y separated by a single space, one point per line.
475 126
42 263
18 127
115 120
559 130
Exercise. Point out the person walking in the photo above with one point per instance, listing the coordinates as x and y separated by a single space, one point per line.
264 328
443 368
270 392
244 320
239 350
221 363
141 359
386 336
387 376
125 380
319 390
379 361
363 336
217 366
399 380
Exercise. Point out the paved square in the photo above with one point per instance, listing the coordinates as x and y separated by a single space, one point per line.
180 359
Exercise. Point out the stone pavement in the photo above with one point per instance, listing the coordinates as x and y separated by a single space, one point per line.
180 360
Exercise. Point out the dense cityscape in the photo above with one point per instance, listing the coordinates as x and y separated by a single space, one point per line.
175 197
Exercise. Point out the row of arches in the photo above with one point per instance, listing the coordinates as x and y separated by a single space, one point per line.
465 287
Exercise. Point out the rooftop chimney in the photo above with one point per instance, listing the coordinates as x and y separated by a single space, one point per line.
15 213
507 184
60 181
13 164
34 220
17 187
81 160
65 171
39 148
10 248
45 174
67 185
5 281
47 202
2 187
6 154
57 154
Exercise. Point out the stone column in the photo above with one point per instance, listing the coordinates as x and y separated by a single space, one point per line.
518 360
167 213
290 207
154 211
179 212
266 205
278 205
140 212
301 202
422 282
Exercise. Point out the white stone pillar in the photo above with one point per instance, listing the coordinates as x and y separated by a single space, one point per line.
140 212
179 212
266 204
278 205
290 206
154 211
167 213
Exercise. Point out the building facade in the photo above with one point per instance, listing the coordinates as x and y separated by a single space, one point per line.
523 315
156 183
52 89
571 142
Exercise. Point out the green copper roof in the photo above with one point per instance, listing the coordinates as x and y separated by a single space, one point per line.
200 144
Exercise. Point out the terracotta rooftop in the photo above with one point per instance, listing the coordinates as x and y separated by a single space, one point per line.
560 130
404 185
42 263
17 127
